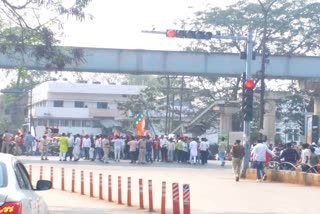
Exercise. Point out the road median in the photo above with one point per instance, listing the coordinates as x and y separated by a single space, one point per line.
286 176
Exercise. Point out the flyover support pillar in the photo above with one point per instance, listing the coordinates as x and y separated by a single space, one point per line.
269 123
226 118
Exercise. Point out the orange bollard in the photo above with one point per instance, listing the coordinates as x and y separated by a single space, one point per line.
100 187
30 173
41 172
141 194
163 198
51 175
109 188
119 190
82 184
91 184
175 198
72 181
150 196
62 179
186 199
129 192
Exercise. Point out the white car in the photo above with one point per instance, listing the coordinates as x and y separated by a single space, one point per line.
17 196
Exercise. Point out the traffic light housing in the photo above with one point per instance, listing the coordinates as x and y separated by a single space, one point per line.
247 100
189 34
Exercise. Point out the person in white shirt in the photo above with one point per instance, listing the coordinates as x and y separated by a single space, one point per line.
305 157
164 148
204 146
76 148
70 146
117 148
171 148
86 147
259 157
193 150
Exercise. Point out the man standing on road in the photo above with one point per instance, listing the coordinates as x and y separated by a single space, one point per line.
63 147
117 145
164 149
70 146
204 150
237 153
142 150
259 152
290 155
193 151
44 147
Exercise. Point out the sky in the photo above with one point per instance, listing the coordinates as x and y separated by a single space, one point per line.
118 23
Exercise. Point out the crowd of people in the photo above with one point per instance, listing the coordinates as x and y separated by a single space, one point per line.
138 149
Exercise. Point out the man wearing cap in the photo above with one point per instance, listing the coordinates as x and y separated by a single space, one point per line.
237 153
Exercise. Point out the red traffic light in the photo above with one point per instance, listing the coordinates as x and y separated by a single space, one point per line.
171 33
249 84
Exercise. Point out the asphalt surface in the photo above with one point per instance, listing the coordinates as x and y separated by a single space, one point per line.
213 189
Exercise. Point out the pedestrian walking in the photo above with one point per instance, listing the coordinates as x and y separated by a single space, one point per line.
237 152
259 157
222 151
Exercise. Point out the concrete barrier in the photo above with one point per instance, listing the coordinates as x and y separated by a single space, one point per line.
286 176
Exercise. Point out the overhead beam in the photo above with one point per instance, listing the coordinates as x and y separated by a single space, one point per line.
127 61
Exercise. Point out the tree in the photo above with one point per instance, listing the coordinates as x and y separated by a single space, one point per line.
39 23
29 30
280 27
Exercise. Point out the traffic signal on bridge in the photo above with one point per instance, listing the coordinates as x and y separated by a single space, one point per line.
247 100
189 34
301 123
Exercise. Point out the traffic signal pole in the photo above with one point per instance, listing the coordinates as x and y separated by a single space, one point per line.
246 124
208 35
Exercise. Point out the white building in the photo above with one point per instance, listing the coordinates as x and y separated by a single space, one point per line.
78 107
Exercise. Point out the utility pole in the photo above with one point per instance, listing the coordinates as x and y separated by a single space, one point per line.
246 124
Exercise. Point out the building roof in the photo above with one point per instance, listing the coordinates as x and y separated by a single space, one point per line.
88 88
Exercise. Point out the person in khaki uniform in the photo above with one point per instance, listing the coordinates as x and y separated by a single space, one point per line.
142 150
237 153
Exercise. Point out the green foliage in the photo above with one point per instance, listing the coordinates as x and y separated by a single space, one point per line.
38 22
290 25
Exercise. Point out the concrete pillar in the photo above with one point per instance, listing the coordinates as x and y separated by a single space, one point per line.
316 109
226 118
269 122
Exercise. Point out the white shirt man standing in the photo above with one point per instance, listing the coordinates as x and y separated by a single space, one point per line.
193 150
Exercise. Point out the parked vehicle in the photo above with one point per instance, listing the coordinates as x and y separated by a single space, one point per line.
17 196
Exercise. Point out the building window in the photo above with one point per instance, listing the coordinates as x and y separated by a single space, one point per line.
76 123
57 103
79 104
64 123
86 123
102 105
96 124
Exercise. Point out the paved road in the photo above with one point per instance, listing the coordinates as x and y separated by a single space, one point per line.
213 189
